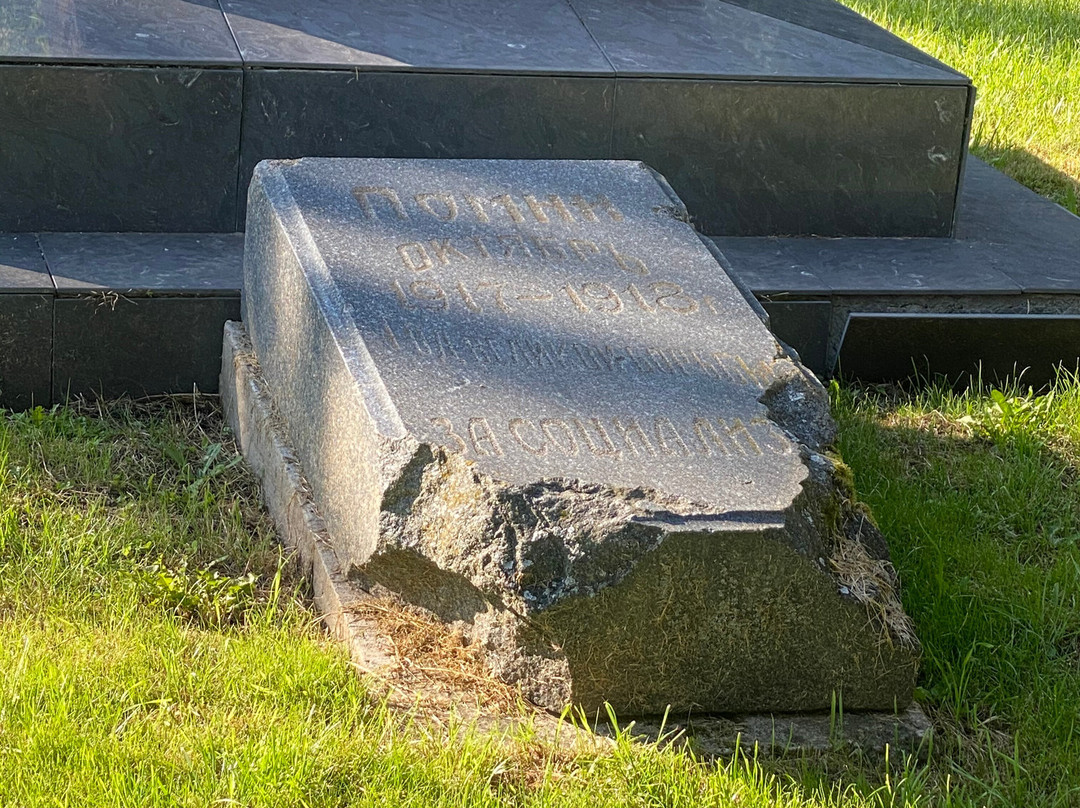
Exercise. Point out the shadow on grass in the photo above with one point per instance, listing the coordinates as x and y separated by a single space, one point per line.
1032 171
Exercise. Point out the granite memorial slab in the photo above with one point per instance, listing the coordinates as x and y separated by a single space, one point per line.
528 399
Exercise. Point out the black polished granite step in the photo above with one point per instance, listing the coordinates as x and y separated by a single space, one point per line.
1002 296
139 314
113 314
149 116
806 132
118 116
26 317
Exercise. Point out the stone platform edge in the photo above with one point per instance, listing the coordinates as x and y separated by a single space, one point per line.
250 414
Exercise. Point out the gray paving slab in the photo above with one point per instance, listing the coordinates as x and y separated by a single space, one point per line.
1009 241
1036 242
146 263
163 32
521 36
817 266
839 21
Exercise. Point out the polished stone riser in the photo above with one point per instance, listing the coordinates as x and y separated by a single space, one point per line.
993 340
53 348
998 301
118 148
171 149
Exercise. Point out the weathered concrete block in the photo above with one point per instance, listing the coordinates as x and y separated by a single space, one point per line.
528 398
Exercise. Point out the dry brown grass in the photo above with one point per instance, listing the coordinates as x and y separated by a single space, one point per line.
437 661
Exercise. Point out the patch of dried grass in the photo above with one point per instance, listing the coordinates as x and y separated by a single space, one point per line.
874 583
437 658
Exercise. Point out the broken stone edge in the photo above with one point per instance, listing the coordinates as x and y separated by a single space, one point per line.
250 414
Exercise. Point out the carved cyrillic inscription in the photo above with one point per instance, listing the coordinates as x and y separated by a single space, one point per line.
615 437
426 293
510 248
472 274
563 355
445 206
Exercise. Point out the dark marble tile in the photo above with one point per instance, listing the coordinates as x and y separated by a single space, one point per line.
26 322
536 36
884 347
140 263
174 32
706 38
120 148
884 266
1036 242
916 266
765 265
317 113
138 346
22 269
805 327
760 158
839 21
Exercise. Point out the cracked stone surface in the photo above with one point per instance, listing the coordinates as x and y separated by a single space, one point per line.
528 399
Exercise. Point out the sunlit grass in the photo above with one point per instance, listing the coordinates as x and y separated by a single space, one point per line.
979 495
156 650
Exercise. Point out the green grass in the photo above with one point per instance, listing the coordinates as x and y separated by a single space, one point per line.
1024 59
979 496
156 650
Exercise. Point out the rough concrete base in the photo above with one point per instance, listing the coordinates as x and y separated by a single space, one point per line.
345 609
